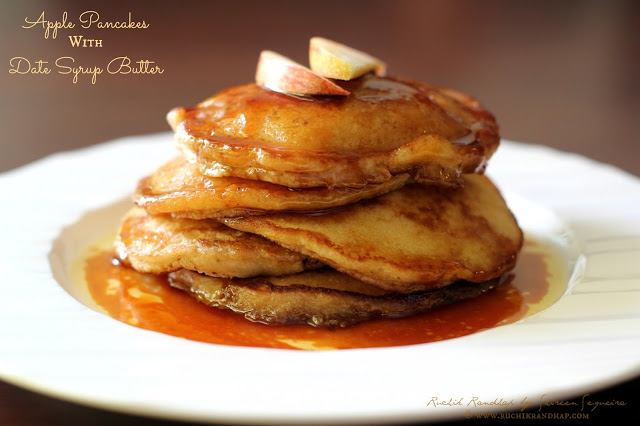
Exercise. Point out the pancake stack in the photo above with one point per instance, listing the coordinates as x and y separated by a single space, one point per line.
325 209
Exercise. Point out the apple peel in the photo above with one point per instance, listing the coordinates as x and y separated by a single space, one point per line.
283 75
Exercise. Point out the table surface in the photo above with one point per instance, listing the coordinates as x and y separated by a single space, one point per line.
563 74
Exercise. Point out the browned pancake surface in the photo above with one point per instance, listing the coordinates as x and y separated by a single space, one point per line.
415 238
324 298
160 244
178 188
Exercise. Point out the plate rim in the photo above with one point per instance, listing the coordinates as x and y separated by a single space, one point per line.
20 172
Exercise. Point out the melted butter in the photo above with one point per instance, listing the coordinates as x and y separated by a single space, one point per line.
148 302
377 90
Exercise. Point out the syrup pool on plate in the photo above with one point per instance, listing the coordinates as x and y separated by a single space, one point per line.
147 301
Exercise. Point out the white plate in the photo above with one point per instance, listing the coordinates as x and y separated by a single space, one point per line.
53 344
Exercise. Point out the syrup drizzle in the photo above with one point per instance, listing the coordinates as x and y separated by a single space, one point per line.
148 302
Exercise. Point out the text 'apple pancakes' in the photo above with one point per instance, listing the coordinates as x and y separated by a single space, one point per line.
326 196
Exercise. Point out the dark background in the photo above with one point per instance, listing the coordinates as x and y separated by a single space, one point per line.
560 73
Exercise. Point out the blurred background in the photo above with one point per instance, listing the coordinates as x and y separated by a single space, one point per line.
559 73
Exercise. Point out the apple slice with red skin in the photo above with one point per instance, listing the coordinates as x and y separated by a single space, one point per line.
281 74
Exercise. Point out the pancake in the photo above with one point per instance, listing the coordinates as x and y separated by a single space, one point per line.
412 239
160 244
323 298
178 188
383 128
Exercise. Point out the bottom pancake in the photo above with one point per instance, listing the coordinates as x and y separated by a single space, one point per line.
324 298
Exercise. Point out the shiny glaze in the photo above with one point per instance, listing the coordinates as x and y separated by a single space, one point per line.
147 301
385 127
380 114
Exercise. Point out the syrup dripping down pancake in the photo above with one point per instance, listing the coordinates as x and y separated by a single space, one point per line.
385 127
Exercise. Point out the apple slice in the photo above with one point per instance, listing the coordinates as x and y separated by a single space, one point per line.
334 60
281 74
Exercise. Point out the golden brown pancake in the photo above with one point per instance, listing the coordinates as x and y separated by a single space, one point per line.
415 238
160 244
323 298
178 188
383 128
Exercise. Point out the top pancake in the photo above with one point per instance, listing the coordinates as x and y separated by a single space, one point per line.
411 239
384 127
